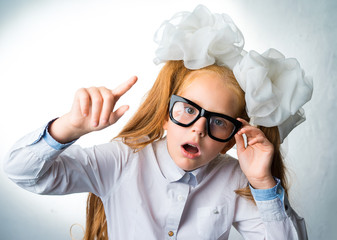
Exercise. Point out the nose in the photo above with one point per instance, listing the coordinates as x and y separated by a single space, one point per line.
199 127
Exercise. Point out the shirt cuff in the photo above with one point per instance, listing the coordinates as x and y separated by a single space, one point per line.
51 141
271 202
268 194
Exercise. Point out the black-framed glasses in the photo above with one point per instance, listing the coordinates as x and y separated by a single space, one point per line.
220 127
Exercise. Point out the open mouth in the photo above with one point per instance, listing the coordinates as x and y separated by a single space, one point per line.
191 148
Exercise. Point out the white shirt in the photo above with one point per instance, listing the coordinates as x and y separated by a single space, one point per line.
147 196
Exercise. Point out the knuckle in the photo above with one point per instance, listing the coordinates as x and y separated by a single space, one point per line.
107 95
110 97
97 101
92 89
82 94
102 88
81 91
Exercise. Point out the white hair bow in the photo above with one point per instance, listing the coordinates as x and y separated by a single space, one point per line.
275 89
200 39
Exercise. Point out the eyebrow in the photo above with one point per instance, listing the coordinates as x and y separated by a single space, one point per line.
219 113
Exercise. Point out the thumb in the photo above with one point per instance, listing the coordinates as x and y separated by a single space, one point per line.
116 115
240 143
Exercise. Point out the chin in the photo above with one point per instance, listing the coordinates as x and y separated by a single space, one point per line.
185 166
188 167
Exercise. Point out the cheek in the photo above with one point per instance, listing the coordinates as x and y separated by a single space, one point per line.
228 145
217 147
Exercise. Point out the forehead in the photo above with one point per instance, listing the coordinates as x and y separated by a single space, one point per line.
210 91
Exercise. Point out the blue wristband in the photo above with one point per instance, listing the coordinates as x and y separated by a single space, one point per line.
268 194
51 141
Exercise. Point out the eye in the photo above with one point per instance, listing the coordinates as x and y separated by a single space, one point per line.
190 110
219 122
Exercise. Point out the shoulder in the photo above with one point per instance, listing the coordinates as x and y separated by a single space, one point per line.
115 147
118 149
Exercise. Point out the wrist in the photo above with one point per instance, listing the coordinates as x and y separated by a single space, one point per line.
262 183
63 132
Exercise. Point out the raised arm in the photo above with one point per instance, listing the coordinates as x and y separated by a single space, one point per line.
45 162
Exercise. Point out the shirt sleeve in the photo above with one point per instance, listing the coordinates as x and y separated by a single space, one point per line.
268 194
269 217
51 141
39 165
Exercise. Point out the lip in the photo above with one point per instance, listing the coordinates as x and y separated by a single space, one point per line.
188 154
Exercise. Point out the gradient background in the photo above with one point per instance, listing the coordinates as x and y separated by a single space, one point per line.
50 48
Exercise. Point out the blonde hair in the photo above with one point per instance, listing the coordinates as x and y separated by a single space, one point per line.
149 120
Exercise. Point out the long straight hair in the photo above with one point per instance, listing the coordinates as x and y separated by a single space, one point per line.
149 120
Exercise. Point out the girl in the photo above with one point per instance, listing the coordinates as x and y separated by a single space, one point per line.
167 175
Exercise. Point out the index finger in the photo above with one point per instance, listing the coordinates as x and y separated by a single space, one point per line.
124 87
253 133
243 121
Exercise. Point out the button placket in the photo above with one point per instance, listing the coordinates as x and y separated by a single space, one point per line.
179 194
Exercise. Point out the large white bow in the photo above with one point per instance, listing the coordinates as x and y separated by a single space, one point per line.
200 39
275 89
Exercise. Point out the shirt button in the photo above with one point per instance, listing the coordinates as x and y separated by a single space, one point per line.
215 211
181 198
170 233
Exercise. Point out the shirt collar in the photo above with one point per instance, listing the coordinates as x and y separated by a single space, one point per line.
172 172
199 174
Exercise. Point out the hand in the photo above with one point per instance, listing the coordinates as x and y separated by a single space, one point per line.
256 158
92 110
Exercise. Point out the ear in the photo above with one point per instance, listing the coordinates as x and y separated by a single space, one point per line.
167 119
228 145
165 124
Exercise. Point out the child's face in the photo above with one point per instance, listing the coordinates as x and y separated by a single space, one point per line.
191 147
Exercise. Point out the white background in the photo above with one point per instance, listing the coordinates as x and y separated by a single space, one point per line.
50 48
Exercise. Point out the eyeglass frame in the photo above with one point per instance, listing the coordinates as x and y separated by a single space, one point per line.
203 113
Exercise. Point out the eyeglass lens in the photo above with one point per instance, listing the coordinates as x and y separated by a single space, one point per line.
219 127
